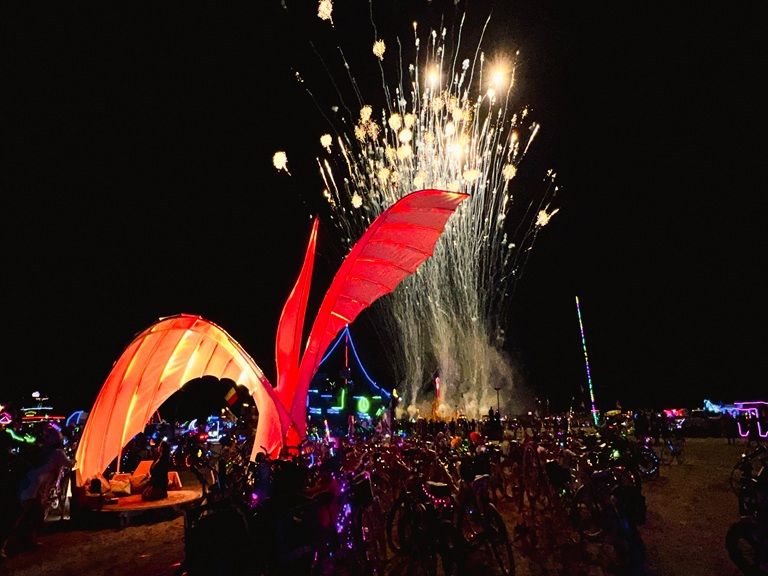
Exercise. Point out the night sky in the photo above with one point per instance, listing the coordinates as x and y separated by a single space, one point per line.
137 182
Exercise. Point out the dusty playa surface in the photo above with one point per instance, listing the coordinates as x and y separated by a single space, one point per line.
149 549
690 508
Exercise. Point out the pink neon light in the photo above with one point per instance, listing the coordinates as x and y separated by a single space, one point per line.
754 414
759 431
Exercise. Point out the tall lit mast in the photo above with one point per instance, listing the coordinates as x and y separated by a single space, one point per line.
586 362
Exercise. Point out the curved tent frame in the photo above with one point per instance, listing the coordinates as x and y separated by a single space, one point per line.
157 363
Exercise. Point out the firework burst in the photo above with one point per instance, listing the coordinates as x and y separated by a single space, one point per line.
449 122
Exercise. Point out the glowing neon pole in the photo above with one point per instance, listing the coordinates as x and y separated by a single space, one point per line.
586 362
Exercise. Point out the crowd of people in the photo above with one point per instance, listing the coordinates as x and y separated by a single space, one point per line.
33 458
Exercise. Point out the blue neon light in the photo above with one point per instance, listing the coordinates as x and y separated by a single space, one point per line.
335 344
359 363
346 332
77 415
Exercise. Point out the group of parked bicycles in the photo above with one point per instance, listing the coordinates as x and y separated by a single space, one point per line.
415 505
349 508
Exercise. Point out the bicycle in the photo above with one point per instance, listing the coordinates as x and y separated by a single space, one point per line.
479 523
55 500
420 523
592 510
256 518
672 449
744 467
351 539
747 539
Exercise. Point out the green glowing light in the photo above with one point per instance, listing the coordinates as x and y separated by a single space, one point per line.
28 438
363 405
342 400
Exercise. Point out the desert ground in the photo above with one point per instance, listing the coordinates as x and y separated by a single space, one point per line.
690 507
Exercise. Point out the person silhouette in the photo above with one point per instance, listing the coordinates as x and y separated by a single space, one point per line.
158 474
48 461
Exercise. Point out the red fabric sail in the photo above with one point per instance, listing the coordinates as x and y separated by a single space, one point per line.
395 244
291 325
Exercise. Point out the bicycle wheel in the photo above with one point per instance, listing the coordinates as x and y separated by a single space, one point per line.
648 463
451 549
735 480
400 525
586 514
497 538
743 545
423 545
55 501
52 504
470 525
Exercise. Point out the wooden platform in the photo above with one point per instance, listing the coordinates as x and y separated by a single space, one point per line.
129 506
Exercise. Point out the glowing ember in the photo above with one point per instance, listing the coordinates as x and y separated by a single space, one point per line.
543 218
378 49
280 161
324 10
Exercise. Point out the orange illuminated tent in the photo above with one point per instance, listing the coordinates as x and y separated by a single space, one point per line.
158 362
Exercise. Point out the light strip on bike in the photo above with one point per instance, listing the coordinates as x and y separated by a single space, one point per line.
586 361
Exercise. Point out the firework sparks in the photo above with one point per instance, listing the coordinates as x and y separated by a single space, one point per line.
447 124
379 48
325 10
543 218
280 161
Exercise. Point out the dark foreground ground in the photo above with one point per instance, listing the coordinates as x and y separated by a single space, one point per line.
690 507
